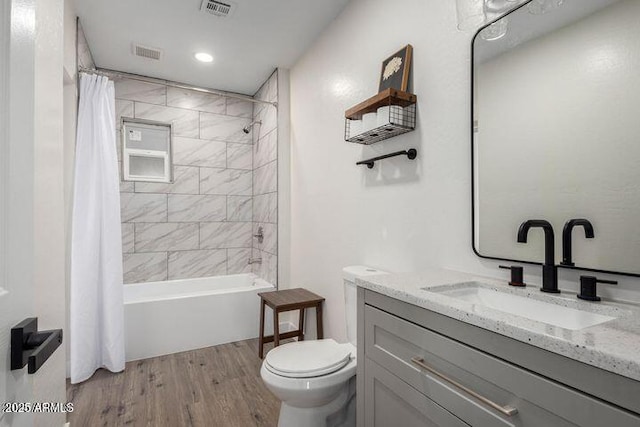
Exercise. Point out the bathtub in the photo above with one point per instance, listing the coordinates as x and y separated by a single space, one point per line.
180 315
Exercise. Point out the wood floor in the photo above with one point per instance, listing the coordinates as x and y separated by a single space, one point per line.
214 386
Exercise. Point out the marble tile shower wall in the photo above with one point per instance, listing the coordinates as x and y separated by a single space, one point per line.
265 184
201 224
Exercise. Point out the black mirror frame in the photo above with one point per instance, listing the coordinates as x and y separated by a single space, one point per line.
473 171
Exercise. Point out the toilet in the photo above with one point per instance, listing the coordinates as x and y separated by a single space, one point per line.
315 380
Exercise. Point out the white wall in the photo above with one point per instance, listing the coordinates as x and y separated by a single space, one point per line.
581 149
402 215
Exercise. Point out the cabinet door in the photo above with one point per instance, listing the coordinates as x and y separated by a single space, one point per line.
390 402
433 364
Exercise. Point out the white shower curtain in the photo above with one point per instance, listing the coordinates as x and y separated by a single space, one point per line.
97 312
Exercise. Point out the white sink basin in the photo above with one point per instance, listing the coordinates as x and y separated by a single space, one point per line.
541 311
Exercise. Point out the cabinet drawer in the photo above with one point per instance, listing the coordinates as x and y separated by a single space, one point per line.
432 363
391 402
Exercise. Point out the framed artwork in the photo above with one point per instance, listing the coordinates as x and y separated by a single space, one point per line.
395 70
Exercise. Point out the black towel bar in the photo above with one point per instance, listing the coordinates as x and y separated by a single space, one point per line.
411 153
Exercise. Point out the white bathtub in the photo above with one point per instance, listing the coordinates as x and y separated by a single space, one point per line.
180 315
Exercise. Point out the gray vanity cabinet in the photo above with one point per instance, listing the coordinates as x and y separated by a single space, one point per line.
411 373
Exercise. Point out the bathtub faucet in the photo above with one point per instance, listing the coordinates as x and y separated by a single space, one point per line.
260 235
255 261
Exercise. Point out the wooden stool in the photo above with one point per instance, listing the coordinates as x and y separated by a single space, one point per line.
288 300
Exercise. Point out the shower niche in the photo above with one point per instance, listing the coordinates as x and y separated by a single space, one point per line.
146 151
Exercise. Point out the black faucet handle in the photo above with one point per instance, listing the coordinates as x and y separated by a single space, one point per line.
588 287
517 275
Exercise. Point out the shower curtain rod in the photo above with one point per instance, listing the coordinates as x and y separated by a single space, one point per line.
121 74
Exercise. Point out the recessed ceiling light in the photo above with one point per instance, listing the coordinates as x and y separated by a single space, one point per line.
203 57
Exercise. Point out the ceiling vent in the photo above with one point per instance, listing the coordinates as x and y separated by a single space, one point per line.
147 52
222 9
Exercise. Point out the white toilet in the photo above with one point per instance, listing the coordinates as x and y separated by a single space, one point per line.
315 380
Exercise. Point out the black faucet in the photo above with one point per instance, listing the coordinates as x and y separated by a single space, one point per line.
549 269
566 237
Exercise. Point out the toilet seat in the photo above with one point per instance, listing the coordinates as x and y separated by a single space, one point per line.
307 359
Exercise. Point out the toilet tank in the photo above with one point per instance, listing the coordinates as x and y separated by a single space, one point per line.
349 276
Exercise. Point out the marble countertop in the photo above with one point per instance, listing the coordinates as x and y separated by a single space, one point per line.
613 345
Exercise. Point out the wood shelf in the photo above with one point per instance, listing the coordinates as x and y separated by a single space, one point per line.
401 117
386 97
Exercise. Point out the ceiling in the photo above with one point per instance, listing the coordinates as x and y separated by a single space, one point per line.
258 37
524 26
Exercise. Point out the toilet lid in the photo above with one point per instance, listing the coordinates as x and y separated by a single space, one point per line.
306 359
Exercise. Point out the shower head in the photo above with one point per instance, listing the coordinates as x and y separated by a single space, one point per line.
248 127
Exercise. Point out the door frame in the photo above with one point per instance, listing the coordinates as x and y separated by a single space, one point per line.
28 70
4 136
